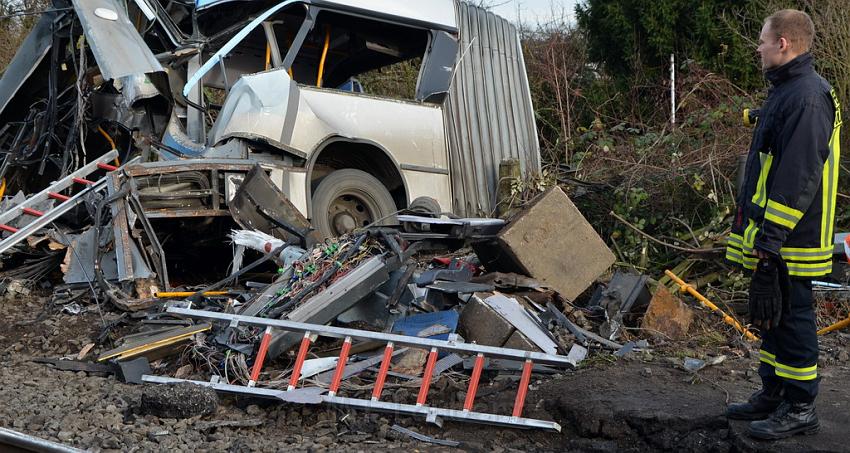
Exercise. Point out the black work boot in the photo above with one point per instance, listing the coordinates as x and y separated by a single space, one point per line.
760 405
789 419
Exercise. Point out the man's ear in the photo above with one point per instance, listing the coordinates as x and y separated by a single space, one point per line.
784 44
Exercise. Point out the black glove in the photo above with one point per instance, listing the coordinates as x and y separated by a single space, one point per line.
768 289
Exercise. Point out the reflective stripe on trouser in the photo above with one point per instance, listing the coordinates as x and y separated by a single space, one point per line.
789 353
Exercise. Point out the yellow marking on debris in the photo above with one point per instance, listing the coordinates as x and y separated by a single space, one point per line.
684 287
155 345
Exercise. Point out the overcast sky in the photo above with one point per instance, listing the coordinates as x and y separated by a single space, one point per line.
533 11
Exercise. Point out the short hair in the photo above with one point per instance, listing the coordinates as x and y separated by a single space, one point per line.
795 26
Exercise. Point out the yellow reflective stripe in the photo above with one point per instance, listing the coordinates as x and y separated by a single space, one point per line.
797 374
736 256
767 358
779 220
807 249
789 211
760 197
807 254
794 376
809 269
780 214
830 176
738 242
830 188
750 234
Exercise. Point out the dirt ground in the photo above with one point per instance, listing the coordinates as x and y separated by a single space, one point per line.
643 402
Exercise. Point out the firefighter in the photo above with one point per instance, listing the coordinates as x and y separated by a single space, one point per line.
783 228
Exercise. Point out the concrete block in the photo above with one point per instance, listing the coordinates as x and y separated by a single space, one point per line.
551 241
482 325
668 315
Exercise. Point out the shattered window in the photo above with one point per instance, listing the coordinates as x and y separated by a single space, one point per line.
396 81
345 52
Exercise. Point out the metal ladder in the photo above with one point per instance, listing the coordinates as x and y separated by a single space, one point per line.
66 203
432 414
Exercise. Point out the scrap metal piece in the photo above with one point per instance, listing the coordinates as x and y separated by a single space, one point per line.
456 272
519 317
260 205
169 338
577 353
446 362
28 57
131 371
560 319
76 365
419 228
460 287
506 365
625 292
16 441
424 438
81 264
118 48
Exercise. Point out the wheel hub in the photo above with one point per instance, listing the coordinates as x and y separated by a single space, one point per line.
347 213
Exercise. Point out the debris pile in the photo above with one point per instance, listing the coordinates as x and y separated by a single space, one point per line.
344 320
180 170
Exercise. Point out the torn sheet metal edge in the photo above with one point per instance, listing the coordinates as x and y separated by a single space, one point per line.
445 363
25 442
313 367
160 340
341 333
27 59
507 365
458 222
578 353
424 438
519 317
117 47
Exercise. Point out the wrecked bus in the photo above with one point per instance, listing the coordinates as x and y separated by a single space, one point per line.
200 92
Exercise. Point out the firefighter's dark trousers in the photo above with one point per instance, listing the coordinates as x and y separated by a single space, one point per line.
789 353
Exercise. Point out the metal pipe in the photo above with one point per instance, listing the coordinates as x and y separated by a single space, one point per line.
673 89
181 294
24 442
324 57
837 326
684 287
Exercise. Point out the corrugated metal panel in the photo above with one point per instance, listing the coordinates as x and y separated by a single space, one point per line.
488 113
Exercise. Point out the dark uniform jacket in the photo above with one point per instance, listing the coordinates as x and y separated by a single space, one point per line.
787 204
